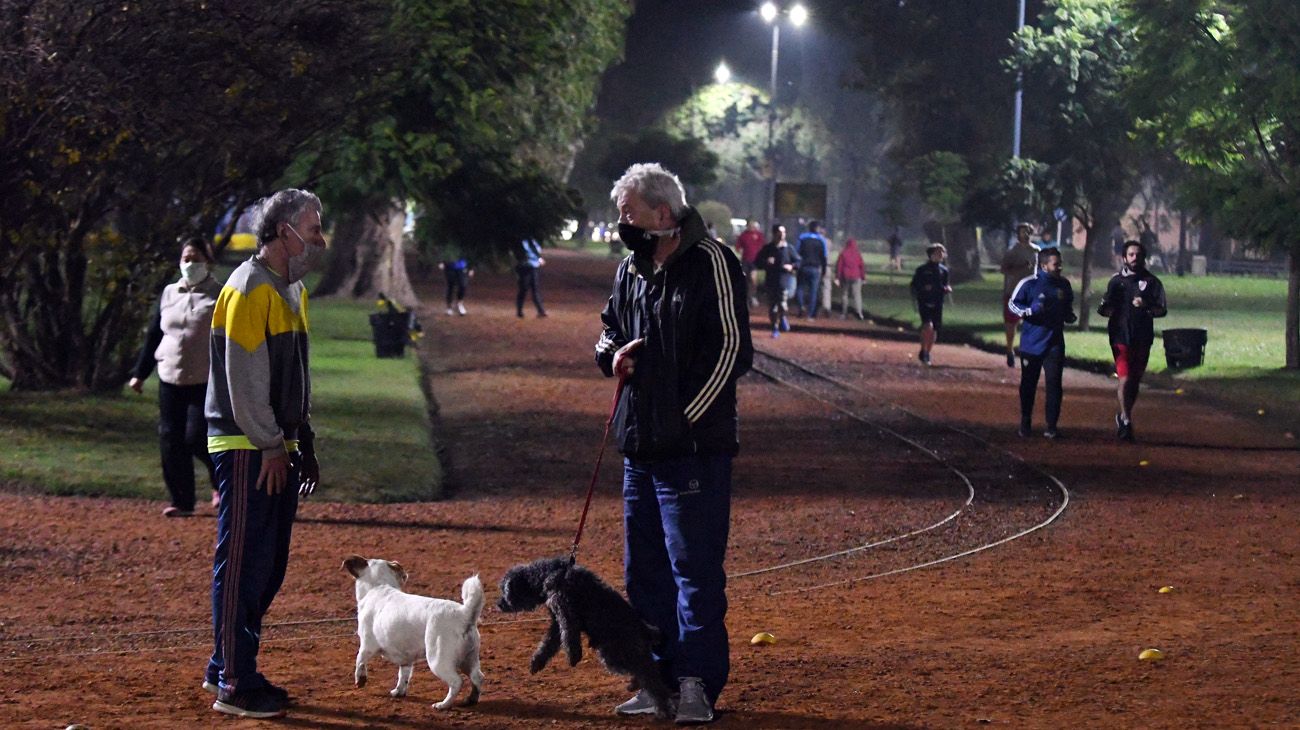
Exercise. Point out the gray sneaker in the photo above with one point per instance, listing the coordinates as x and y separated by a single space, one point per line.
640 704
693 706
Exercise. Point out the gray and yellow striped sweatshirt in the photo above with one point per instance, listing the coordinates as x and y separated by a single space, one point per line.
259 389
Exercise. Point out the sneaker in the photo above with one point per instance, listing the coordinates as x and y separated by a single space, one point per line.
693 706
776 333
753 301
460 308
541 314
255 703
1011 360
177 512
785 324
449 311
1123 429
520 314
1024 431
1051 433
279 693
640 704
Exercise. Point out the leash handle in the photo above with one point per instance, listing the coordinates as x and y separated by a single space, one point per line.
591 488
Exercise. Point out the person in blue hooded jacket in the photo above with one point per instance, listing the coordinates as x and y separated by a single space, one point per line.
1045 302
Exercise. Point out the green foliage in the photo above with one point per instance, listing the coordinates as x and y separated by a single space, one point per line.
687 157
128 126
941 184
486 100
719 214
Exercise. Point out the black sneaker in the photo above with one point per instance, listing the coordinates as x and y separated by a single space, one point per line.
1123 429
1011 360
256 703
274 690
1024 431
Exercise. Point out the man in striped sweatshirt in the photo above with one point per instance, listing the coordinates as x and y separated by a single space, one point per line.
261 441
676 327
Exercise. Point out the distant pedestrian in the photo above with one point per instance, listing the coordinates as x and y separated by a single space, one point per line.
850 271
1134 299
814 262
895 242
1046 303
177 343
458 273
529 261
780 262
1018 262
1117 239
748 244
929 287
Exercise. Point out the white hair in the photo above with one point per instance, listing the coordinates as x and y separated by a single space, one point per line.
283 206
655 185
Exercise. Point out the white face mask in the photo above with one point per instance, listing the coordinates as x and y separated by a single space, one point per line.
194 272
304 262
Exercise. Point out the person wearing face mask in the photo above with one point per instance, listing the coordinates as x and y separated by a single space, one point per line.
261 441
676 333
177 344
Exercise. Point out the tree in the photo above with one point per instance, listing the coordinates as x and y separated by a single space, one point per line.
1218 83
687 157
488 99
1078 61
127 126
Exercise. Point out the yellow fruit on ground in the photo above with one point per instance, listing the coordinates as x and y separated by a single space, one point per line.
1151 655
762 637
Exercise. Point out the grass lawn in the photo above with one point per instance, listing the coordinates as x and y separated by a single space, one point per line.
1244 318
373 432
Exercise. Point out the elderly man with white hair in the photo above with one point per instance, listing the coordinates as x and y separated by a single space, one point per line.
676 330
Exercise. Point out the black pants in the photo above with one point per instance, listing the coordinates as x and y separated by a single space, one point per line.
1051 362
457 279
182 437
528 280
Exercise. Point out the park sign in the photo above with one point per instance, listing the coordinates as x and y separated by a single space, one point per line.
800 200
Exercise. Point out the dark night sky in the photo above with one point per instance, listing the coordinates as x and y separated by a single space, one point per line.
673 46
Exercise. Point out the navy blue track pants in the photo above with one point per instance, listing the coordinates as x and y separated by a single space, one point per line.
253 530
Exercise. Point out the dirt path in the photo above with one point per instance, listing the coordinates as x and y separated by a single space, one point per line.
104 606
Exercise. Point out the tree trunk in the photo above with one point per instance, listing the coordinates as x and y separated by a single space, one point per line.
1293 311
1085 307
367 257
1182 242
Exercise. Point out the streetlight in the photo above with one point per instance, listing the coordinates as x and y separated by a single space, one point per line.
722 74
798 15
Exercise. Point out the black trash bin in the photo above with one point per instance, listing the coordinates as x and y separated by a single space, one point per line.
391 332
1184 348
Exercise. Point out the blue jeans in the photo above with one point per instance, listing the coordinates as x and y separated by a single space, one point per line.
676 513
809 288
253 530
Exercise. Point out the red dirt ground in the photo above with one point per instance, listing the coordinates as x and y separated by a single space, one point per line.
104 605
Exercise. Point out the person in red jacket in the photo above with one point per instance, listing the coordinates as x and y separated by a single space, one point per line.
748 244
850 271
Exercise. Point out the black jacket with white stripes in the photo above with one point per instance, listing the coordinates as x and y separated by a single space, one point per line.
681 398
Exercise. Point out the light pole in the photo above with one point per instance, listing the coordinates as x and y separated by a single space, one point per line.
1020 91
722 74
797 14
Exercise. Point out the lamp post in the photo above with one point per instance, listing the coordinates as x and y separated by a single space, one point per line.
722 74
797 14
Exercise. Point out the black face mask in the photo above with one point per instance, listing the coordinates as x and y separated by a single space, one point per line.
640 241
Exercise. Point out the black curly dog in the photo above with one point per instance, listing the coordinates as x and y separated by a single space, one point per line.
580 602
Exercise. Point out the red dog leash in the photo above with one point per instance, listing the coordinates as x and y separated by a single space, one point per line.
618 392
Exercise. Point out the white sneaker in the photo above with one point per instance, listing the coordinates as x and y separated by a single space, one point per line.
693 706
640 704
460 307
450 311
